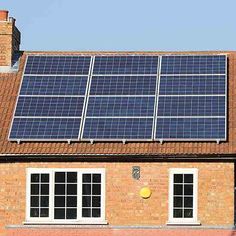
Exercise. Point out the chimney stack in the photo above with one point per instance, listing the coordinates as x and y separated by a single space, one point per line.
3 15
9 40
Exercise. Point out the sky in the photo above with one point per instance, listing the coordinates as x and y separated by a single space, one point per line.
124 25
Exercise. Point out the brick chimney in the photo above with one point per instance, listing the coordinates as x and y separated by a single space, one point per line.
9 39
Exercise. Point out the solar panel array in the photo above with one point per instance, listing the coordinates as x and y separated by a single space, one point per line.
181 97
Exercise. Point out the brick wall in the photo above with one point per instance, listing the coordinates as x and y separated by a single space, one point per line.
9 41
123 203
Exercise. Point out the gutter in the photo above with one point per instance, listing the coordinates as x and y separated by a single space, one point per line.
135 157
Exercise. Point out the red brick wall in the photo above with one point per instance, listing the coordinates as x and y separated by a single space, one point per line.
121 232
124 206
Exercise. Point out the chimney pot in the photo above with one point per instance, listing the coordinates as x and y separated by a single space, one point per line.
3 15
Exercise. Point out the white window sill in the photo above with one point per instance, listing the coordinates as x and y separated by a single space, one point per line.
65 223
182 223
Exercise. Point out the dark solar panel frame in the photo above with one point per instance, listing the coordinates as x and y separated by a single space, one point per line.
57 118
161 138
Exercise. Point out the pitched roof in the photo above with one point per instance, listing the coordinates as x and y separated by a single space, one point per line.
9 87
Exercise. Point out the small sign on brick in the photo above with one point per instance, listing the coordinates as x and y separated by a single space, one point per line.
136 172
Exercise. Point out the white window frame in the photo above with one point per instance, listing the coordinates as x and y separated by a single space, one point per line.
50 219
185 221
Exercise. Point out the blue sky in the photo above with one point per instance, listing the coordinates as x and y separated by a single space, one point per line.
125 24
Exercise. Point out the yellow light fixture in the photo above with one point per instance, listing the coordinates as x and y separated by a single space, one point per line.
145 192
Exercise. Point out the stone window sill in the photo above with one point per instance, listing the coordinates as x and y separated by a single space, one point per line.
183 223
63 224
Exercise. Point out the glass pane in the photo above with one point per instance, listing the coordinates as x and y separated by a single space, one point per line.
71 201
45 178
44 189
72 177
72 189
178 189
59 213
86 201
34 212
86 189
59 201
34 189
178 202
34 201
188 213
96 213
71 213
44 212
97 189
96 178
188 189
60 189
178 213
34 178
60 177
86 178
86 212
188 178
178 178
96 201
188 202
44 201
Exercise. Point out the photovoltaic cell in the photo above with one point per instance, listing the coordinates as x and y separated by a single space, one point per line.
187 85
191 106
190 128
54 85
58 65
50 106
118 128
204 64
120 106
125 65
123 85
45 128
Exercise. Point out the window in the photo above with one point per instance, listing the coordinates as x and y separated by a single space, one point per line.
183 196
65 195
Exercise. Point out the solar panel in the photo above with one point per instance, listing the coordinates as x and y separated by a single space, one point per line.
204 64
50 106
45 128
51 99
58 65
191 106
120 106
118 128
121 102
191 128
54 85
192 98
123 85
109 65
188 85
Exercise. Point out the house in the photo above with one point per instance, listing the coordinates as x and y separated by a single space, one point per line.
115 143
